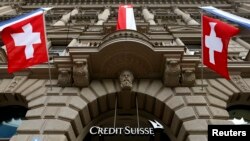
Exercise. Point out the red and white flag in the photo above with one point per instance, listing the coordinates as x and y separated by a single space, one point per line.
126 18
24 38
216 36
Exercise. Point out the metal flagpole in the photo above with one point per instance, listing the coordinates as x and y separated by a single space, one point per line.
202 66
115 110
47 51
137 112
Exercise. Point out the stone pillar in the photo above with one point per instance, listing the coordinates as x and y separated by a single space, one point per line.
65 18
7 10
149 17
186 17
103 17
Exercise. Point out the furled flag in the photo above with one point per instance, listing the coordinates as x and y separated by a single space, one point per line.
25 40
216 36
126 18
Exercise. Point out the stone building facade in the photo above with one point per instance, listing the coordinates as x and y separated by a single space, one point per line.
98 71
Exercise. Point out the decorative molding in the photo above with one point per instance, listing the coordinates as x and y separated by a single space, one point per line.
188 77
172 71
15 83
126 80
240 83
81 73
64 77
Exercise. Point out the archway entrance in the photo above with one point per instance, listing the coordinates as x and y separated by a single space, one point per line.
126 128
13 110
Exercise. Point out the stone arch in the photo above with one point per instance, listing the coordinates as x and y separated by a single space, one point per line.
65 114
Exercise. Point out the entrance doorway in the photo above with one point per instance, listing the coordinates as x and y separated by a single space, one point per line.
129 121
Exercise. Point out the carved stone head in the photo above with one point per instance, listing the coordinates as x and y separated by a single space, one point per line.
126 80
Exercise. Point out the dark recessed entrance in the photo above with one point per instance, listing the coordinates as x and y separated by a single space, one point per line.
123 121
10 119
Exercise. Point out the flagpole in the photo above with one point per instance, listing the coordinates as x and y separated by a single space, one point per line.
202 66
47 51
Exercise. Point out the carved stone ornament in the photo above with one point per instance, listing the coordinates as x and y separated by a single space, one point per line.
172 73
81 74
188 77
126 80
64 78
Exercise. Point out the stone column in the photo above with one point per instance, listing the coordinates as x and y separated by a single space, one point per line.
103 17
186 17
149 17
7 10
65 18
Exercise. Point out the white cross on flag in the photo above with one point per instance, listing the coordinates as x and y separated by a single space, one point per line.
216 36
24 37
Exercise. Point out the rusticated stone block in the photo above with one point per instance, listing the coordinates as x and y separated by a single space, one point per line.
58 126
41 101
171 105
185 113
220 122
57 100
31 126
199 91
175 102
197 126
51 111
195 100
35 113
36 94
73 116
220 87
216 102
182 91
70 91
217 94
54 91
197 138
20 138
219 113
202 111
161 97
82 107
39 137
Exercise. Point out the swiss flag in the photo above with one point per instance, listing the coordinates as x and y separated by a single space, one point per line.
24 37
126 18
216 36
